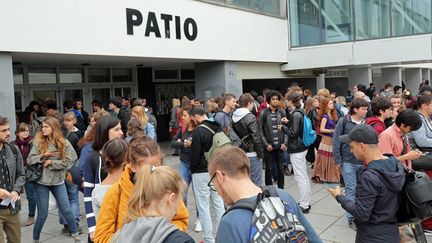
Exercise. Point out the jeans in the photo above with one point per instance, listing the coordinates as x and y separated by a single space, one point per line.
271 158
72 191
255 170
350 171
29 190
298 162
185 173
286 160
42 198
203 194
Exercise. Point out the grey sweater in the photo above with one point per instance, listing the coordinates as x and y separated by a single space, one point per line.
145 229
16 170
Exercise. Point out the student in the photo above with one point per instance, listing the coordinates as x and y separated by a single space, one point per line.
378 186
57 155
351 167
11 183
23 142
152 205
381 110
114 207
135 130
114 155
230 175
223 117
139 113
119 112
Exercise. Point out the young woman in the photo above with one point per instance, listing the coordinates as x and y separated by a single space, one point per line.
23 142
135 130
174 123
107 128
114 155
57 155
153 204
326 169
114 208
139 113
311 111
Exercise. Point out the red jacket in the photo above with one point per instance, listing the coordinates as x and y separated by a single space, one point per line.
377 124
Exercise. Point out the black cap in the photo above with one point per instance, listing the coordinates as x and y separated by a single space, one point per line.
362 133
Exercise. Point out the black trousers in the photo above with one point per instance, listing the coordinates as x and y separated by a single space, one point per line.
270 158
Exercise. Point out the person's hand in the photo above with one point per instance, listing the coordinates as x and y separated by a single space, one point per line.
92 235
179 140
170 129
47 163
335 192
188 144
15 196
414 154
4 194
283 147
269 148
279 127
284 120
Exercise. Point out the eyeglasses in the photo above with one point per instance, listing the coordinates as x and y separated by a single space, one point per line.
211 184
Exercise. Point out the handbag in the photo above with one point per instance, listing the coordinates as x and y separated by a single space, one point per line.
425 161
34 172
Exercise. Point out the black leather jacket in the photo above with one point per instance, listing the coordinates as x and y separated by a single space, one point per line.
294 130
248 126
267 130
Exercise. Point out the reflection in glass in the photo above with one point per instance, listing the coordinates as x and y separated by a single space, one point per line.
45 95
337 20
372 19
411 17
304 22
122 75
102 95
122 92
71 75
18 102
18 75
98 75
42 76
264 6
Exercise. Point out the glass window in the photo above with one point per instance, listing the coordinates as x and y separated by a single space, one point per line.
411 17
18 102
42 76
71 75
122 92
18 75
166 74
372 19
305 22
102 95
122 74
98 75
264 6
336 20
45 96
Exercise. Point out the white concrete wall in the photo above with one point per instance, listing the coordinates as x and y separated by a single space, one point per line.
382 51
99 28
7 97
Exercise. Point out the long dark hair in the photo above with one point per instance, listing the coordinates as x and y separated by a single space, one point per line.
102 130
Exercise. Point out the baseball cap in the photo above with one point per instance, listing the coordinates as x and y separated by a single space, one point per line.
362 133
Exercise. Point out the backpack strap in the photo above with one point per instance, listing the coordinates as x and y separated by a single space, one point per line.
14 149
208 128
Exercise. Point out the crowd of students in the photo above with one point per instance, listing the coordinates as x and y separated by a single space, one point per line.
129 195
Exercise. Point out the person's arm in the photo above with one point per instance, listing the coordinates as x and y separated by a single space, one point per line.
66 163
173 118
181 218
294 125
420 137
336 143
150 131
323 125
20 176
107 217
174 143
89 184
254 132
34 157
261 124
195 156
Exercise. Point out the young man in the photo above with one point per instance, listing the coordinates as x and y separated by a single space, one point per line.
387 92
81 115
351 167
377 193
97 106
370 91
229 168
246 127
273 138
381 110
202 140
11 183
223 117
120 112
394 140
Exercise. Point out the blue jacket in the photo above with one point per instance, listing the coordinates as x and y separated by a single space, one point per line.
342 152
377 201
235 225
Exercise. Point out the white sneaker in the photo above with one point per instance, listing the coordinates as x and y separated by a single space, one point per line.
198 227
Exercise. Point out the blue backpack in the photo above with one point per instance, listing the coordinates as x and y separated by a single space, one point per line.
309 134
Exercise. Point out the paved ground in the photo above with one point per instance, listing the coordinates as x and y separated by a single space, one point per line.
326 216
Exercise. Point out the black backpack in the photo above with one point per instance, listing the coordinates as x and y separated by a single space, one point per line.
273 219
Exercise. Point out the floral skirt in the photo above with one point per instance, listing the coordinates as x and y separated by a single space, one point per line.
325 166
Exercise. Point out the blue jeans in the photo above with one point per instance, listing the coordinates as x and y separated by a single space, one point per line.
42 198
350 171
185 173
286 160
72 191
203 194
255 170
29 190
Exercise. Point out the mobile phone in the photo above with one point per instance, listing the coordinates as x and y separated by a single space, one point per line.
426 153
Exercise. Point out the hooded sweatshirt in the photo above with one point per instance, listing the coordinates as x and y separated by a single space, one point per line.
377 201
377 124
150 229
239 114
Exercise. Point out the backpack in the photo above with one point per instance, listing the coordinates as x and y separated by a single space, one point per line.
220 139
309 134
273 219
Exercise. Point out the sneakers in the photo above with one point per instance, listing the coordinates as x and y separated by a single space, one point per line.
198 226
287 171
77 240
30 221
66 230
352 224
305 210
428 232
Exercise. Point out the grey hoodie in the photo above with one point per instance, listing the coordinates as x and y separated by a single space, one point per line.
239 114
145 230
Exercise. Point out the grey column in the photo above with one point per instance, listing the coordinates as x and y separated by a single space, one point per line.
320 81
214 78
413 77
7 96
426 73
359 75
391 75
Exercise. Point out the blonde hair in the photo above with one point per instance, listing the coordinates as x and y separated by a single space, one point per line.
142 116
175 102
152 185
70 116
324 92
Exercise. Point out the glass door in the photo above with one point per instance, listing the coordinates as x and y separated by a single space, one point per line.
70 95
49 96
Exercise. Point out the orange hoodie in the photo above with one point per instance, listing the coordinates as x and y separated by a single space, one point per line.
114 208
